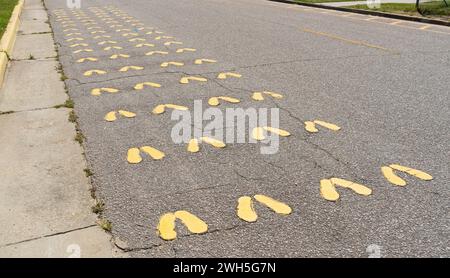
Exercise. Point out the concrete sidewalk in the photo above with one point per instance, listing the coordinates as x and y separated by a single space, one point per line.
45 205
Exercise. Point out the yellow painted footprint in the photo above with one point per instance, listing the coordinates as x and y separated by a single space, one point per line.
215 101
91 59
310 126
140 86
172 42
160 109
92 72
246 210
213 142
111 116
116 56
137 40
78 44
163 37
144 44
102 36
106 42
82 50
156 52
186 80
194 144
134 154
108 48
166 226
130 35
389 174
328 188
225 75
166 64
127 68
201 61
182 50
98 91
74 39
259 96
258 132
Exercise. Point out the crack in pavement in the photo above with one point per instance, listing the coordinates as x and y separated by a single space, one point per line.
203 73
217 230
252 178
316 146
194 190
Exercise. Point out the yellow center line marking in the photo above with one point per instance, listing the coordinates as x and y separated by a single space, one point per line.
355 42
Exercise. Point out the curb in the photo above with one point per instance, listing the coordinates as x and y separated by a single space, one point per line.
368 12
3 64
9 38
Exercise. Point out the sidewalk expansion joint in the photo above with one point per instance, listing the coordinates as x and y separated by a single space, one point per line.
36 33
49 235
44 59
27 110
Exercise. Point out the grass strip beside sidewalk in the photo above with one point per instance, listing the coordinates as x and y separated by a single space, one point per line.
435 8
6 9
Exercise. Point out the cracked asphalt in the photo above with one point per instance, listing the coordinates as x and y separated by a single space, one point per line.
384 82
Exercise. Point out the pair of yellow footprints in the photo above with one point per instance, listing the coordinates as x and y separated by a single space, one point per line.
179 64
311 126
134 154
139 86
328 186
223 75
102 72
245 211
112 116
389 174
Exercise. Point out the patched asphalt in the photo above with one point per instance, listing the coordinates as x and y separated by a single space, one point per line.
386 86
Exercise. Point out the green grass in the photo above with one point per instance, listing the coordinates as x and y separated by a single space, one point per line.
6 8
105 224
436 8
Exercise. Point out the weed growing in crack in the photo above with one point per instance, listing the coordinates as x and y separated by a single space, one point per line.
68 104
79 138
98 207
105 224
88 172
72 117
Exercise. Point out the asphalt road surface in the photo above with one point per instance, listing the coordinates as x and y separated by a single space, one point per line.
384 82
